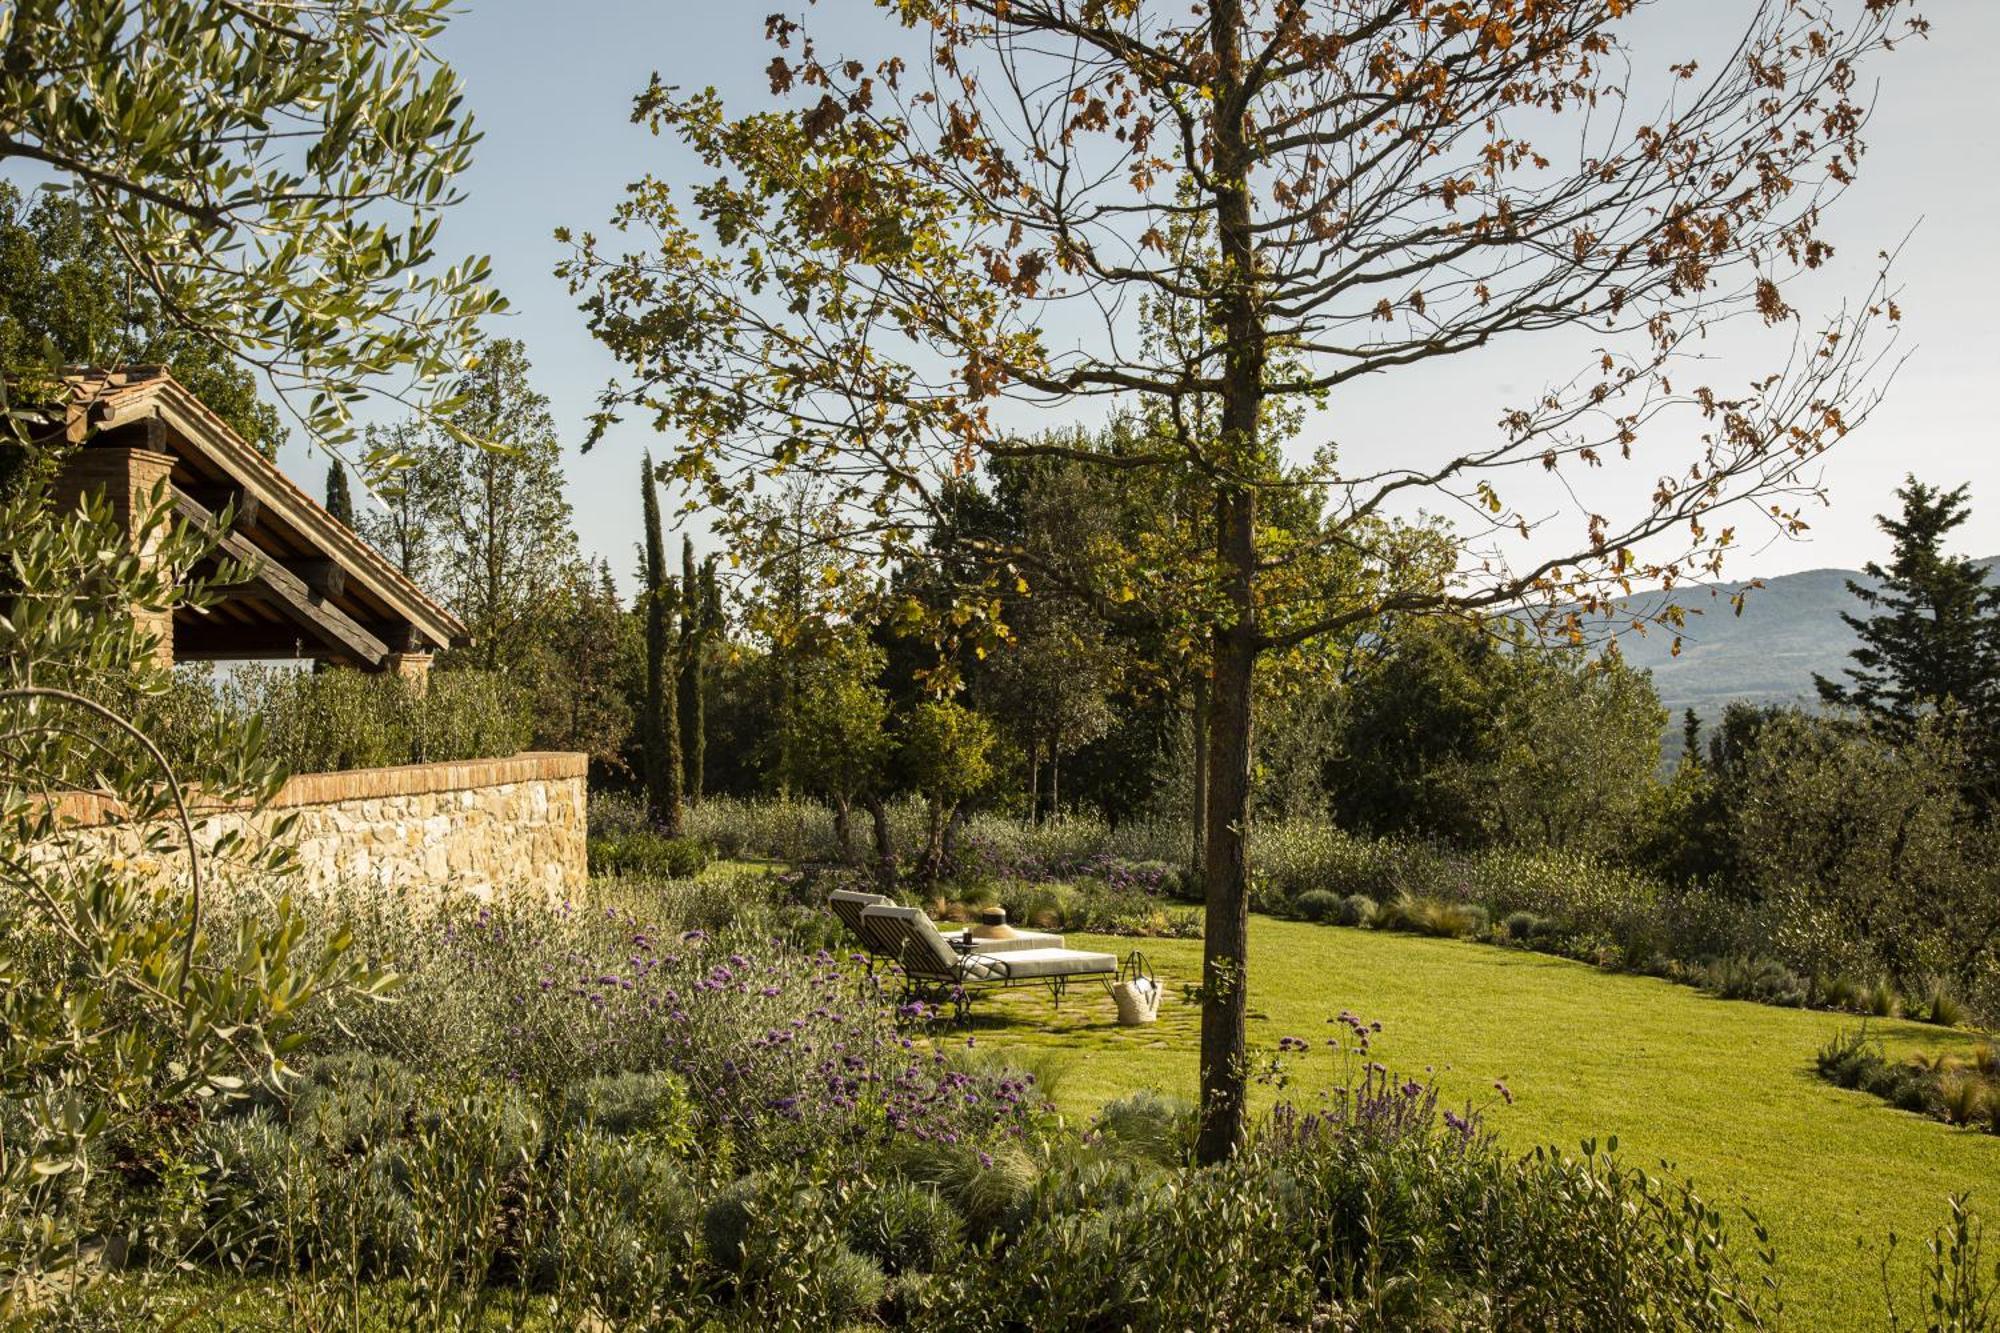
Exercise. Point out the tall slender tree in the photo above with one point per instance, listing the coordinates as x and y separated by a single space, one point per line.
339 498
700 624
499 516
660 726
870 283
406 526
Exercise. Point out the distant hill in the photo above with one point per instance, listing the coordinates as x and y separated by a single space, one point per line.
1789 629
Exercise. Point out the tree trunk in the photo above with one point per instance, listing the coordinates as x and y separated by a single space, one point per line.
1225 945
843 829
693 722
931 867
1034 782
1198 850
885 847
1055 782
1226 864
953 827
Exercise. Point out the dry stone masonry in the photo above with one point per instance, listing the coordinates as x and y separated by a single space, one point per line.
482 826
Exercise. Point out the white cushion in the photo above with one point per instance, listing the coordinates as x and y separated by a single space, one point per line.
1031 963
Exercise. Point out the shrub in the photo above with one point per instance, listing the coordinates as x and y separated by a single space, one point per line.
513 991
1040 906
1850 1059
1962 1097
1356 909
1942 1007
1520 927
794 1269
847 1286
1149 1125
905 1228
726 1222
1841 992
322 721
1935 1086
648 855
652 1106
1317 905
988 1188
352 1101
1762 979
622 1239
1435 917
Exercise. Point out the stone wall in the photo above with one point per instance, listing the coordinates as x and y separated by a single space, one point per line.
477 825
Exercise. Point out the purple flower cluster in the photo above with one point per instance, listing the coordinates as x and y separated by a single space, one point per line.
782 1049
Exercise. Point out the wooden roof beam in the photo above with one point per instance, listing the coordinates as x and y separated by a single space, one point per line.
215 499
288 593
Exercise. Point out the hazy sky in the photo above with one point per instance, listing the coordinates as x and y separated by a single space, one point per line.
552 89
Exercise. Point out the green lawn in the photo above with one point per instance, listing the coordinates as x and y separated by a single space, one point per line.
1723 1090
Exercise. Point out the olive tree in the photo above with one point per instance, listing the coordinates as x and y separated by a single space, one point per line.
270 173
120 994
900 257
947 753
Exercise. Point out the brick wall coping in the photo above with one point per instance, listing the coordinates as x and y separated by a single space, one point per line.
369 784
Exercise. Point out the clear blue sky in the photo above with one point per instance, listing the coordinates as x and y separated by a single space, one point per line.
552 90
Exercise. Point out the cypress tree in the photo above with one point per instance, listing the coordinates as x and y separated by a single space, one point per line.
660 739
339 499
701 620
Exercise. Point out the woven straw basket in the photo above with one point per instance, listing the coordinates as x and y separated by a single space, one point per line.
1138 1001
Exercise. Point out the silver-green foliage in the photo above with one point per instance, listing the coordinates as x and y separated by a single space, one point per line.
324 721
117 995
273 172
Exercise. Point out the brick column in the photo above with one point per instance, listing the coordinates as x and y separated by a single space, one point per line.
127 478
413 667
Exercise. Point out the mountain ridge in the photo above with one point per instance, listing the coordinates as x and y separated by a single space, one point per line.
1789 629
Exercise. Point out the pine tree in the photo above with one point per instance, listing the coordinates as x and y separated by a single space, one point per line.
661 726
1935 637
1934 640
339 499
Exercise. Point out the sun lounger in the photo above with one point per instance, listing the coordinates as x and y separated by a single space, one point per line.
847 904
934 971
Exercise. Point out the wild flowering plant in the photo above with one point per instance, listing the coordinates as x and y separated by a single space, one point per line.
1363 1099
